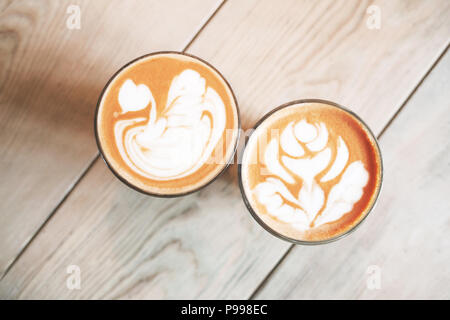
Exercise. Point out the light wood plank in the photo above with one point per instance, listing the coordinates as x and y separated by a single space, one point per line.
206 245
50 79
406 236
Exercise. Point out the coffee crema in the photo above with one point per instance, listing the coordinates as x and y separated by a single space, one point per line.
167 123
311 171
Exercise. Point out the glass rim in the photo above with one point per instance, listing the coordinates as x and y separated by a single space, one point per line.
128 183
265 225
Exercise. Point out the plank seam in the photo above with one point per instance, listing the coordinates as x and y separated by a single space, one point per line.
64 198
204 26
269 275
413 91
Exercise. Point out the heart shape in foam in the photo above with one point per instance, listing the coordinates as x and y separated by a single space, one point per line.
133 97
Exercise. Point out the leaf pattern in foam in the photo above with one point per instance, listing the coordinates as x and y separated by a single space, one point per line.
272 194
188 86
311 198
345 194
273 165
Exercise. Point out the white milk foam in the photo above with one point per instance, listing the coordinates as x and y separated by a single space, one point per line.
181 139
302 209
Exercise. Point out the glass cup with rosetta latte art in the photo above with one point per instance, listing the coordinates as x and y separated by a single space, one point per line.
167 124
311 171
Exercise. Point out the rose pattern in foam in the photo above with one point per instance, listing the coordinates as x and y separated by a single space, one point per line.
180 140
308 209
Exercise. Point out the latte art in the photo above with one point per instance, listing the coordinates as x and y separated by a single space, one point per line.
302 210
310 171
191 124
167 124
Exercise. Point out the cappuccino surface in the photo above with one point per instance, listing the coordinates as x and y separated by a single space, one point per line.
167 124
311 171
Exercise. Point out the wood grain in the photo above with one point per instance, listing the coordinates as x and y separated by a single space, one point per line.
206 245
406 236
50 79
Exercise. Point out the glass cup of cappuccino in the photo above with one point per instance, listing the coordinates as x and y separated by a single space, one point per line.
167 124
311 171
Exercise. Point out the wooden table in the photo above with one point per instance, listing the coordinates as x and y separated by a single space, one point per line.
60 206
